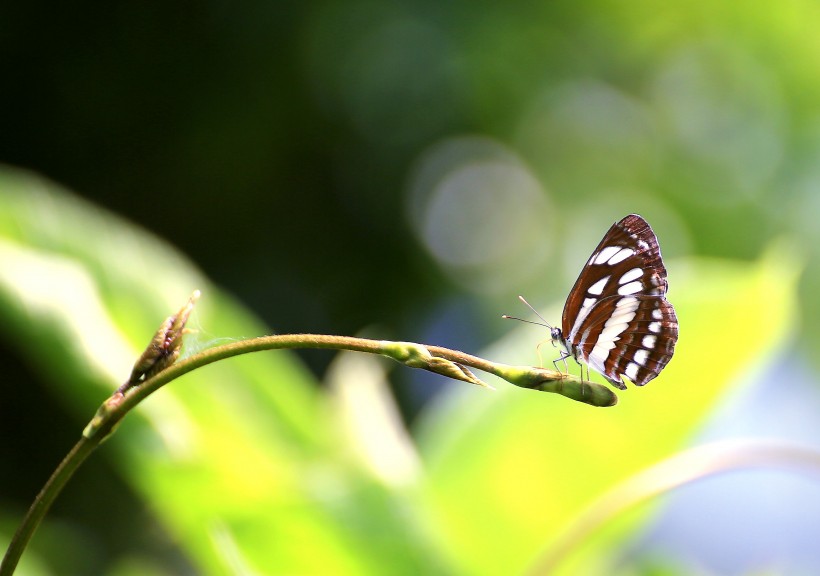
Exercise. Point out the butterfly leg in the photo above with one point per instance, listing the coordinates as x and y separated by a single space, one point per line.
563 358
583 392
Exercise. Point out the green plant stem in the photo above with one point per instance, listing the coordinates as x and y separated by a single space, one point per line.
43 502
680 469
443 361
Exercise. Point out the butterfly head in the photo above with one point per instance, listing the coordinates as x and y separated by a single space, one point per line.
562 343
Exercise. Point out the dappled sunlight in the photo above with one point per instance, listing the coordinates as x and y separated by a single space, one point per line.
480 213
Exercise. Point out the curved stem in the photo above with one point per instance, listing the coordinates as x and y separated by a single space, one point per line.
680 469
43 502
409 353
450 363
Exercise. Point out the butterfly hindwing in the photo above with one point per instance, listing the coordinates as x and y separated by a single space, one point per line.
647 345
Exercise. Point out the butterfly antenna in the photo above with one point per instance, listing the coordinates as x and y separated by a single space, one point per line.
528 305
506 317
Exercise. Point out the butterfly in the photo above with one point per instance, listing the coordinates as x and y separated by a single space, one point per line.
617 319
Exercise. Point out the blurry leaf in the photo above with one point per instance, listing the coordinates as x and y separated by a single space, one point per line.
252 470
507 473
372 434
369 420
237 459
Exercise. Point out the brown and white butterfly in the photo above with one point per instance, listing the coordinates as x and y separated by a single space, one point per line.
617 319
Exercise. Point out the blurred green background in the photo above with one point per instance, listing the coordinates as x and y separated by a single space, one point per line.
401 170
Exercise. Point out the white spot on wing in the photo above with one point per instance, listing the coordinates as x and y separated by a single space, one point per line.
598 287
611 331
605 254
648 342
582 314
598 357
641 356
631 288
657 314
622 255
655 327
633 274
624 312
631 371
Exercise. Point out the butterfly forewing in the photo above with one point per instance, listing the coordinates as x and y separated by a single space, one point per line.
617 318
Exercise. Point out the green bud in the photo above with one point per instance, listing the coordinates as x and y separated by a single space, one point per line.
418 356
559 383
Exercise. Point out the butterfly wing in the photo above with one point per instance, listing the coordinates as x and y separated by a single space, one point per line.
617 318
